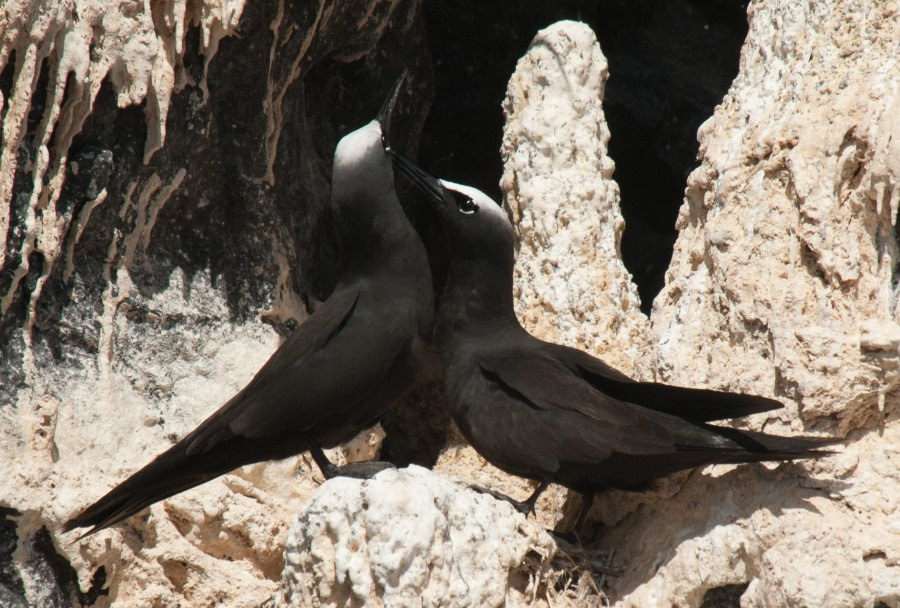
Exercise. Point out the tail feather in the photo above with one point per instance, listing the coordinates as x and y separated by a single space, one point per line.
171 472
755 446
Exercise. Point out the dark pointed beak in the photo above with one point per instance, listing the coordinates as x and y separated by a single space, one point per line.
387 108
422 180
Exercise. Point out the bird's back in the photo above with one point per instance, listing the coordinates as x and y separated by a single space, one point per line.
526 409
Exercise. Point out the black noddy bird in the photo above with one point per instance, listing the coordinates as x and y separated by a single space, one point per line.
555 414
355 356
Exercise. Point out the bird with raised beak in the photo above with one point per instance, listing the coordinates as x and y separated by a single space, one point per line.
555 414
355 357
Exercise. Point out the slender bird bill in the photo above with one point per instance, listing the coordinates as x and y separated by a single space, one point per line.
387 110
426 183
339 372
555 414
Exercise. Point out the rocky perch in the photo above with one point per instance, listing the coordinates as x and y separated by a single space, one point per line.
164 223
409 538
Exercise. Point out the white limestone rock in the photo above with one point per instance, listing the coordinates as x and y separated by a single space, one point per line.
407 538
571 286
783 283
786 254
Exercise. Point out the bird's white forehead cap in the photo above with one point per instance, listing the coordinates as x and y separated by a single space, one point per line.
354 146
485 203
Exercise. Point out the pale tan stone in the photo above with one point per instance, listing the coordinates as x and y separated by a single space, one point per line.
782 283
571 286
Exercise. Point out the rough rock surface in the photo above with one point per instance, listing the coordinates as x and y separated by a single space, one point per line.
160 180
783 282
571 284
141 242
410 538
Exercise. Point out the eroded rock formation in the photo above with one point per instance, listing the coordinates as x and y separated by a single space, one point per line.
410 538
164 167
162 164
783 282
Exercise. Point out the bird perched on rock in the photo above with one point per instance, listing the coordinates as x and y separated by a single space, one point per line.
357 355
555 414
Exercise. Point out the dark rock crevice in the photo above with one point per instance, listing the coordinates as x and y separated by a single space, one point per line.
669 67
50 575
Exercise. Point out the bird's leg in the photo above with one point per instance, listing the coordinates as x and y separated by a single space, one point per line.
572 535
328 469
357 470
586 501
525 507
532 500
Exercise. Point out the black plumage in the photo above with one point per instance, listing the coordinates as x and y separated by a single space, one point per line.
553 413
357 355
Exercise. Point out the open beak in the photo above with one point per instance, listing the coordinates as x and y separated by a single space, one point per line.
387 108
427 184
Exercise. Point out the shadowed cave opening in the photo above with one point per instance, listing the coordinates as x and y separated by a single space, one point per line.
726 596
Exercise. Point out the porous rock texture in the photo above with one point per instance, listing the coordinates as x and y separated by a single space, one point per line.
155 253
783 283
410 538
570 283
163 169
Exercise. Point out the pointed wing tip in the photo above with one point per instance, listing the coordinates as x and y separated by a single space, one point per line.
827 441
84 535
91 519
75 523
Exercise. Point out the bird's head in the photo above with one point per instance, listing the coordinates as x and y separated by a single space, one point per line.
476 225
362 169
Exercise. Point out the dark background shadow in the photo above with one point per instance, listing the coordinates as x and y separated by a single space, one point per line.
670 63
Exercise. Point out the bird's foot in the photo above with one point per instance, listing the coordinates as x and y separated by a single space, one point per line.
356 470
571 537
360 470
524 507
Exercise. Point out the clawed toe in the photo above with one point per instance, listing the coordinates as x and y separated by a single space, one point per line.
356 470
523 507
362 470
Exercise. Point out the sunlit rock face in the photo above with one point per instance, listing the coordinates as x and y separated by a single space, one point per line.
164 186
783 282
164 222
410 538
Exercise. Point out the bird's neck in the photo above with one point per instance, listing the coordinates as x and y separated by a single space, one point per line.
380 242
477 298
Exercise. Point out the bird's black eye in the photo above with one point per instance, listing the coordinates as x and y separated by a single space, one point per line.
467 206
